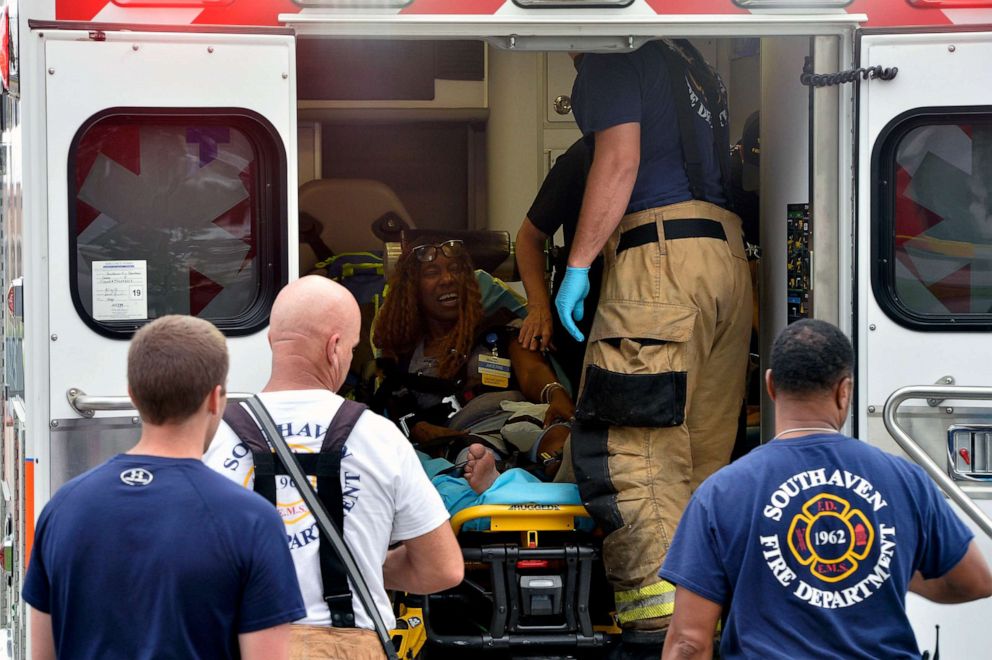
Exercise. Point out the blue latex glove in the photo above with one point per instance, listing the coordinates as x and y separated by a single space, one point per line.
568 302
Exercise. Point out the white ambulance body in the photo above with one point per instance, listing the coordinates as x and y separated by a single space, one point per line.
156 157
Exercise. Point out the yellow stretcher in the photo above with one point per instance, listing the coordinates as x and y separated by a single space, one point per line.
533 580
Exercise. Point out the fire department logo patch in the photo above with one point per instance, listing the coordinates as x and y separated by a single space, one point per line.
829 537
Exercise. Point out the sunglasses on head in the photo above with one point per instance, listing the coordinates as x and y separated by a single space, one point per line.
428 253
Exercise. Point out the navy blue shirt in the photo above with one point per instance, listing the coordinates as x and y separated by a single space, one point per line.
613 89
813 542
148 557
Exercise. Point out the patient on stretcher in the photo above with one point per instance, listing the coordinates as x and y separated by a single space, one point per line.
457 382
483 483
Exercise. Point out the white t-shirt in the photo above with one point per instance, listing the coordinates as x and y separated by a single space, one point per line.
387 496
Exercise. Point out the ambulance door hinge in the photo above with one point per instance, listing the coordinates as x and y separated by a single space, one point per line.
811 79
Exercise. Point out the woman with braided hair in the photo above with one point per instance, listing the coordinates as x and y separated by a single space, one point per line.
434 300
453 377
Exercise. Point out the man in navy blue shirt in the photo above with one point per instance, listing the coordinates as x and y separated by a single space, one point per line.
153 554
664 370
811 541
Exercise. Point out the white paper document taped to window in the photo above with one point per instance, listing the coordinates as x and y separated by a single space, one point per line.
120 290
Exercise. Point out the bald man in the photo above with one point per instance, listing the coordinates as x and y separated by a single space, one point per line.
386 496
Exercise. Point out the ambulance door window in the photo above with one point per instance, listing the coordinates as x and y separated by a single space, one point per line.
933 224
188 207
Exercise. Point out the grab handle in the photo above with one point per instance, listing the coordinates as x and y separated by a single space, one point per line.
915 452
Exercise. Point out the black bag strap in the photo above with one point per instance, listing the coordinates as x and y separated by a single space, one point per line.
323 521
326 466
244 426
681 57
337 592
310 233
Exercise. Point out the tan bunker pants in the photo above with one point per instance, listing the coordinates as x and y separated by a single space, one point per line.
324 643
662 388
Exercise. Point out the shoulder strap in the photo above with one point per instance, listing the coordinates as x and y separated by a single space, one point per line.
244 426
310 230
337 592
683 108
678 66
397 377
389 381
342 425
716 97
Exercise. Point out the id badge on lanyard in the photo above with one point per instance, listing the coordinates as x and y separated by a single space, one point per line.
495 371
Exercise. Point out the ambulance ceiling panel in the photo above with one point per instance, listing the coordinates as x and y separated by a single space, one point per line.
881 13
585 30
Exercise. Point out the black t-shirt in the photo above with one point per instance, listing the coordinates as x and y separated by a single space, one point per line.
557 204
560 198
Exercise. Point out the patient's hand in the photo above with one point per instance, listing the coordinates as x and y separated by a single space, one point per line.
535 333
426 434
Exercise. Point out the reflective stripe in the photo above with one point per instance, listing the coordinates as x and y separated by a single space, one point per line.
656 589
647 612
653 601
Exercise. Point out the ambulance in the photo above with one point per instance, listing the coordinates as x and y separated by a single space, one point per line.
166 156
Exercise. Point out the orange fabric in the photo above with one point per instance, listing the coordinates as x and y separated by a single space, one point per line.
28 511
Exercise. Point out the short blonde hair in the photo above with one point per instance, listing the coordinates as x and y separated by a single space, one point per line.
173 363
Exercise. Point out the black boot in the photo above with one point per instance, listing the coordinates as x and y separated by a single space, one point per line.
639 645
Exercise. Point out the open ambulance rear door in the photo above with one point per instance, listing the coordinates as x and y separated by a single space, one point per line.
164 187
924 272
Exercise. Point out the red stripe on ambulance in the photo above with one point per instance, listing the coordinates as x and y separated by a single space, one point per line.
78 10
695 7
890 13
453 7
248 12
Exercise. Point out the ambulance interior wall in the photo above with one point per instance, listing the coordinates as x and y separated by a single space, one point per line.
784 180
514 135
425 161
525 133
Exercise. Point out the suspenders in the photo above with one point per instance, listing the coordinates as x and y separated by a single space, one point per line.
678 66
326 467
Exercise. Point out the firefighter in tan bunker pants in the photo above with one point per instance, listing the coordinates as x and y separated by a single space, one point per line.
664 371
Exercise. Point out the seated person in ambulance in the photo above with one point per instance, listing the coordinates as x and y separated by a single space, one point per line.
453 377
